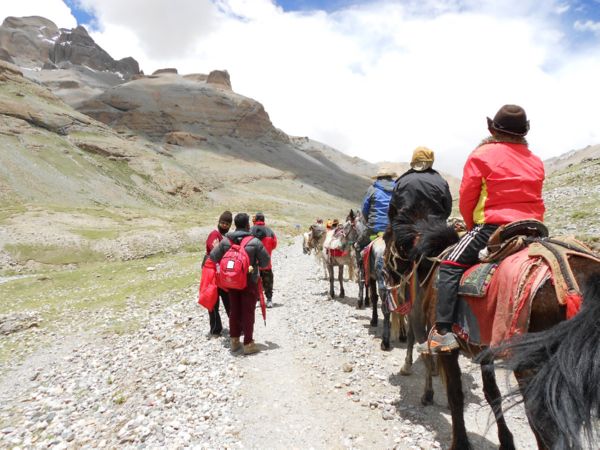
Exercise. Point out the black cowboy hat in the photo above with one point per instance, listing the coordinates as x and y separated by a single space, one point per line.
510 119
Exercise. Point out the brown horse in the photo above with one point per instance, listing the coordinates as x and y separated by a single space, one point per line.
543 360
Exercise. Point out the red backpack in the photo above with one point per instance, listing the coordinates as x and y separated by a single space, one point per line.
232 270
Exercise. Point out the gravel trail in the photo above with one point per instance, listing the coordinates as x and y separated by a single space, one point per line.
320 381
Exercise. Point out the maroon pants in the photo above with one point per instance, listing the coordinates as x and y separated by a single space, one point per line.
242 305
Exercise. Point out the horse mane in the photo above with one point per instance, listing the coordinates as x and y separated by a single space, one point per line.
564 361
434 237
404 236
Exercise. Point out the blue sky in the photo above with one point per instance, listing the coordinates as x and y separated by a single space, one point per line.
581 12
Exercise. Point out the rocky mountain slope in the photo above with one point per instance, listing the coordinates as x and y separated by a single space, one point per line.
145 160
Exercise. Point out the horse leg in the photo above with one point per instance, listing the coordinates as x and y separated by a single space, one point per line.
361 283
330 272
494 399
374 298
521 379
341 280
410 343
427 398
403 336
385 337
452 375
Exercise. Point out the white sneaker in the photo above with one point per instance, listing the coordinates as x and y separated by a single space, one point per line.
269 303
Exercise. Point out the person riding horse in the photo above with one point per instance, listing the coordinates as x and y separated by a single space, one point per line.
375 205
502 182
420 193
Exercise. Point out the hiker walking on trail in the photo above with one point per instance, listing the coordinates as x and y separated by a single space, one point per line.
239 256
213 239
420 192
502 183
269 240
376 202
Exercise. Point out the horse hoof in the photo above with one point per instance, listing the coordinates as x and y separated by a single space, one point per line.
427 399
342 295
373 323
406 370
385 347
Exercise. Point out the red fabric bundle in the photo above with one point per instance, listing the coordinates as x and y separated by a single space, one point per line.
208 292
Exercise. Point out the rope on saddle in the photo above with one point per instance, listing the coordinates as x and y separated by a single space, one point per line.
436 260
555 253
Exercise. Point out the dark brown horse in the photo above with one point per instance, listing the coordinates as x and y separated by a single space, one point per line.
556 363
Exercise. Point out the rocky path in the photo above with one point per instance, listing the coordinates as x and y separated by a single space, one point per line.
320 381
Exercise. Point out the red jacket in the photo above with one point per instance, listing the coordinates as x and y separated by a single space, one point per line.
267 237
502 182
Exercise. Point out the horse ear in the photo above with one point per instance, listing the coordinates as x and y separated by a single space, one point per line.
351 214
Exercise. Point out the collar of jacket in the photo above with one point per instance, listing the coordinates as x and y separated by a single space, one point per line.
409 171
504 139
237 235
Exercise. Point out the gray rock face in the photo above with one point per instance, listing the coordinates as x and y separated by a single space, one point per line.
35 42
28 40
5 56
156 106
77 47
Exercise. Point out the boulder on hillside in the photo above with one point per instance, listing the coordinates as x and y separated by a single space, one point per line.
12 323
166 70
6 70
219 78
28 40
183 138
5 56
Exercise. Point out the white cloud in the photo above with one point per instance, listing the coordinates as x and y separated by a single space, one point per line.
378 79
54 10
164 29
588 25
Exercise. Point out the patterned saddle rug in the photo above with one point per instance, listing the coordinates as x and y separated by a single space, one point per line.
495 299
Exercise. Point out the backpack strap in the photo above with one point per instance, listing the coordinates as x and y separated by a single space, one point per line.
245 241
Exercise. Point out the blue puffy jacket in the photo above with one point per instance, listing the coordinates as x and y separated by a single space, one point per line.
376 203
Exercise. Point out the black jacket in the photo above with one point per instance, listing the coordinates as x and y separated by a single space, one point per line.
419 195
258 255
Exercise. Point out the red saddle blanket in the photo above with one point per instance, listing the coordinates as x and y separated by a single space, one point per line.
505 310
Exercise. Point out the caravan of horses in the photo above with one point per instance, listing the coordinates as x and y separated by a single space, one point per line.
552 350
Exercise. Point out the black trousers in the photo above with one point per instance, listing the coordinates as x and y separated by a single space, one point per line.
216 326
463 256
267 282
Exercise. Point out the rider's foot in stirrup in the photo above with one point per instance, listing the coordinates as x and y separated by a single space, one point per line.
443 343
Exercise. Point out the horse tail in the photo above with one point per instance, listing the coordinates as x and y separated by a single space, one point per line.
563 367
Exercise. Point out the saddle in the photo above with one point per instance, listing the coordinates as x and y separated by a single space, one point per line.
510 238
